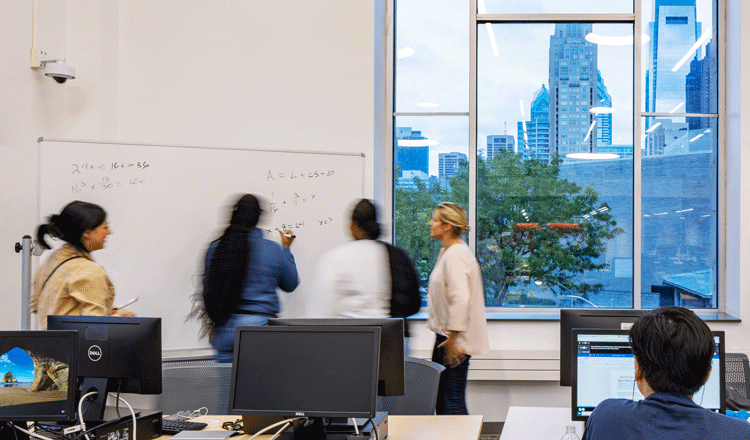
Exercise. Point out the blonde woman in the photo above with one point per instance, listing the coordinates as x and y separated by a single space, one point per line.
455 306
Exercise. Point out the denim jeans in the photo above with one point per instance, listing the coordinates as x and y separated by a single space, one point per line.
223 341
451 398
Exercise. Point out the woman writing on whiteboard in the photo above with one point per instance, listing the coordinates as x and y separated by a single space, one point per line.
242 272
69 282
455 307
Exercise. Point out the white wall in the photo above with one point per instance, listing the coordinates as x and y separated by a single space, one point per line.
211 73
239 74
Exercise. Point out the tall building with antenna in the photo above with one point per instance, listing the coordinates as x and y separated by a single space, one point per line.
573 90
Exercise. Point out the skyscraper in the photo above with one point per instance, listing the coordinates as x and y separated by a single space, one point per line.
700 89
449 165
573 89
533 135
603 120
499 142
673 33
410 155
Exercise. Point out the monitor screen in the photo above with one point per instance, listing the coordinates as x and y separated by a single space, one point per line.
604 368
115 354
618 319
37 371
310 371
391 370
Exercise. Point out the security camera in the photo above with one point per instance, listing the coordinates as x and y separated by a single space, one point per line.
58 71
54 67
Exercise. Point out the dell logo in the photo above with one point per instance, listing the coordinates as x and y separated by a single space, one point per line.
95 353
299 413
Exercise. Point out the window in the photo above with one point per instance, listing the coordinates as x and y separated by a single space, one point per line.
555 210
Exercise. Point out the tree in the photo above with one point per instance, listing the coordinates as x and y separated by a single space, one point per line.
413 210
534 227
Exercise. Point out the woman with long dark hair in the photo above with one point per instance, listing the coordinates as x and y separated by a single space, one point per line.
242 272
69 282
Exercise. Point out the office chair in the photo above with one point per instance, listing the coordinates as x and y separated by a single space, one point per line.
737 372
195 382
421 380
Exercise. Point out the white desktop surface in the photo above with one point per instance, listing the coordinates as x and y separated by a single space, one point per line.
399 427
537 423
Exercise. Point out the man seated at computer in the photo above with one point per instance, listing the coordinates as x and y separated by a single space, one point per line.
673 350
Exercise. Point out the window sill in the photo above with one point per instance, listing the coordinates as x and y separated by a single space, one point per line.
554 315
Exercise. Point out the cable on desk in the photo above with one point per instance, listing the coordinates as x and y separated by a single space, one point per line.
269 427
185 415
374 428
283 428
30 433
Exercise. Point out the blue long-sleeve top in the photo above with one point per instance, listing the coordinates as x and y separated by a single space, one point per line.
269 265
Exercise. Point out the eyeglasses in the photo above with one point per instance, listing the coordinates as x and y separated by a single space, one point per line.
233 426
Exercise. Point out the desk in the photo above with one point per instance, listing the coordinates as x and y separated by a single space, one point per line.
399 427
537 423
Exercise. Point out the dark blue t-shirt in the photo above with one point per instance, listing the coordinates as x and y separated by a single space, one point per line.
661 416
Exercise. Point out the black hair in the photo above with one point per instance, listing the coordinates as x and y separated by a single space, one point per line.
673 348
76 218
227 270
365 216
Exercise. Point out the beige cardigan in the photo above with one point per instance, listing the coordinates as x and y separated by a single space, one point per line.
78 287
455 299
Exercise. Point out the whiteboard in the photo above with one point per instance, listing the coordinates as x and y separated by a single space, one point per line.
165 204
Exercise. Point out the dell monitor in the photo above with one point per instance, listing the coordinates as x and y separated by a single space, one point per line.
37 378
115 354
604 368
315 372
618 319
391 372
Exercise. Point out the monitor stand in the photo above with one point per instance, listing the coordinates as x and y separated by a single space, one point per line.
93 407
8 432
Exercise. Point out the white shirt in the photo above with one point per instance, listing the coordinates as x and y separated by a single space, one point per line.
455 299
352 281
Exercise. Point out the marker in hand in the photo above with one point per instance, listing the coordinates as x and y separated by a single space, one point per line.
287 237
127 303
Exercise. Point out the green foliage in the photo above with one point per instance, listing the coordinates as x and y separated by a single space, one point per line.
568 240
413 211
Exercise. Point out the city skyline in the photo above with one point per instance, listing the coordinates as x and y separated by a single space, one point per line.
437 72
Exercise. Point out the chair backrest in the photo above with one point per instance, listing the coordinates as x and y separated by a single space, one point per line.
192 383
737 373
421 380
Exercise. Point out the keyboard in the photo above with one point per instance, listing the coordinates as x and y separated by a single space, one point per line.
172 427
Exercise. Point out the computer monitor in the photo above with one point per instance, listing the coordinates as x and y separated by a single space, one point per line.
618 319
305 371
115 354
391 372
37 378
604 368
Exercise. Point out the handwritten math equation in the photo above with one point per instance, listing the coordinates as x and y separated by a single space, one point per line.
86 175
104 184
291 200
298 175
297 225
81 168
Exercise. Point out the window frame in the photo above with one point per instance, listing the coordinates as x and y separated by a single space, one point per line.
635 19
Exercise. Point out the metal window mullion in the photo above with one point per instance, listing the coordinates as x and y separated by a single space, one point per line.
554 18
390 105
395 114
722 159
678 115
637 141
473 126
